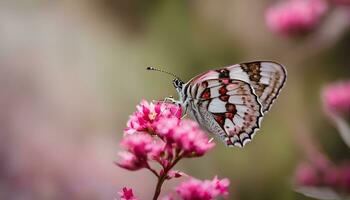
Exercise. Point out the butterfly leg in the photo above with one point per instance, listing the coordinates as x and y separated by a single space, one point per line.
179 104
171 100
210 140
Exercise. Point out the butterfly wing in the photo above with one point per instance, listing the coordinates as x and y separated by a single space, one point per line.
226 107
230 102
266 77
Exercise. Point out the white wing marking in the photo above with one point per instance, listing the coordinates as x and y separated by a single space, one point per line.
235 100
217 106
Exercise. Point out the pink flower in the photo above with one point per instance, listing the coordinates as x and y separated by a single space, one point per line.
140 148
127 194
330 177
168 197
156 133
175 174
340 2
306 175
292 17
221 185
185 136
130 162
336 97
335 177
344 177
138 144
338 178
203 190
147 113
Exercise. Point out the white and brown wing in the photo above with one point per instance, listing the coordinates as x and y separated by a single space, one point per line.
226 107
266 77
230 102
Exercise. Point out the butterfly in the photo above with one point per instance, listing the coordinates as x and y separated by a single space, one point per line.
230 102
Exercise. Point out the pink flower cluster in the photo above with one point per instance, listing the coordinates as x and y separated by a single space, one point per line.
292 17
335 177
336 97
204 190
185 136
156 133
127 194
140 149
192 189
147 115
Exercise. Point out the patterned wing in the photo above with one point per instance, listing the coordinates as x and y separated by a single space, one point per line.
266 77
226 107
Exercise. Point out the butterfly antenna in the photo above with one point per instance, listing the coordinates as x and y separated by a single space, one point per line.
160 70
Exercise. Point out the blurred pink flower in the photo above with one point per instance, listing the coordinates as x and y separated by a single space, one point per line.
168 197
339 178
147 113
127 194
336 97
185 136
344 178
292 17
321 178
340 2
330 177
336 100
334 177
306 175
221 185
204 190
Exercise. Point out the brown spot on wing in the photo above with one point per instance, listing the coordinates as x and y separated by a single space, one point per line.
229 115
223 90
206 94
229 142
205 84
260 88
224 98
231 108
268 99
253 70
219 118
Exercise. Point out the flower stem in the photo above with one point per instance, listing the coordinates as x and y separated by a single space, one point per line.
161 180
163 177
152 170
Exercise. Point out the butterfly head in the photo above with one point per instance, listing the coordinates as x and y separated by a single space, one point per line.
178 84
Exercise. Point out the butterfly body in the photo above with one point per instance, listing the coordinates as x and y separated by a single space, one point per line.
230 102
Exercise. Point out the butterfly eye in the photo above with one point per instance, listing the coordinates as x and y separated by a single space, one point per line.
177 83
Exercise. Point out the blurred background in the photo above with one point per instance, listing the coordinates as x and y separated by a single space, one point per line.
71 73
